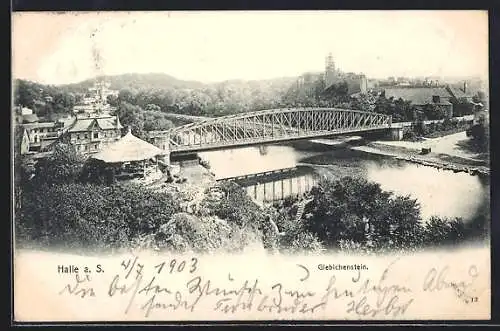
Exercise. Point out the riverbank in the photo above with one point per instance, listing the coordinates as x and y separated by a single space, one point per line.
447 153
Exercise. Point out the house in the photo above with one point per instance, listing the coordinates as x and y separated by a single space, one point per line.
101 90
95 100
42 134
481 115
37 133
481 119
91 132
30 118
25 142
420 97
26 111
461 93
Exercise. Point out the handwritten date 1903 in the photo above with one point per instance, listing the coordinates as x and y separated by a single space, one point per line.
179 266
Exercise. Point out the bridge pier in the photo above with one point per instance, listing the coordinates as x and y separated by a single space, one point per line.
395 133
185 160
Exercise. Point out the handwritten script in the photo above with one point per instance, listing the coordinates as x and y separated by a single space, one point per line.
156 289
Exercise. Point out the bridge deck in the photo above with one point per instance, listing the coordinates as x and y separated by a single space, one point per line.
252 141
269 126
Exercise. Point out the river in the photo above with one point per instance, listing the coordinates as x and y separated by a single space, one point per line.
440 193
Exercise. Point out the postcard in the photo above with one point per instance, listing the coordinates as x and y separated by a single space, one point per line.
251 166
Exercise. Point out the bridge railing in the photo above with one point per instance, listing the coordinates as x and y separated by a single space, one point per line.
273 126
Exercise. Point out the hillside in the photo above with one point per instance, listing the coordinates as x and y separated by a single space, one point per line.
160 81
190 97
138 81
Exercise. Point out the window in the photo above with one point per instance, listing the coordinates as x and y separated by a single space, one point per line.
86 136
435 99
96 146
86 147
96 134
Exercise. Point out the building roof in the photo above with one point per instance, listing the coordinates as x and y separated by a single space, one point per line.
418 95
104 123
458 93
26 111
39 125
41 155
30 118
66 121
128 148
83 108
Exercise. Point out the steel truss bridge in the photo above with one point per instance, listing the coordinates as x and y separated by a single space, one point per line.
270 126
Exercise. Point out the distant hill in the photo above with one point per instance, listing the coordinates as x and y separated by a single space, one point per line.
164 81
170 94
138 81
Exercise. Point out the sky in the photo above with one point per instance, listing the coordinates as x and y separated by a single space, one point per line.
60 48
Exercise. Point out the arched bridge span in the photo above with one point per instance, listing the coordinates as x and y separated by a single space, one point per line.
268 126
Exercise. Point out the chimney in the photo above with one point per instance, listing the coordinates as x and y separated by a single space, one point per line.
465 87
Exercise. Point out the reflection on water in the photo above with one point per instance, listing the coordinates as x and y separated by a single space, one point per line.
251 160
280 189
440 193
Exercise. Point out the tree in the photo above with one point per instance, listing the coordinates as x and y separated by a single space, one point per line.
349 207
64 165
441 231
131 115
152 107
403 111
127 95
93 216
383 105
44 100
156 120
364 102
112 100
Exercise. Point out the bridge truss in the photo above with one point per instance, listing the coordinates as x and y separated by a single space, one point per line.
272 125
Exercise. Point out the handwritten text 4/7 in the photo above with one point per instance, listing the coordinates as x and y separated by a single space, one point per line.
149 291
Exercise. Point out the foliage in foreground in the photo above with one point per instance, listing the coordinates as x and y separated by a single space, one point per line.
349 214
355 215
83 215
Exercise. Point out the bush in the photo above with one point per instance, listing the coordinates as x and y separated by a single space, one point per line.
195 233
64 165
235 207
301 243
410 135
432 130
438 231
481 136
84 215
355 210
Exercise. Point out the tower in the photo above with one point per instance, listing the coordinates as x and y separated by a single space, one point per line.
330 72
329 63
